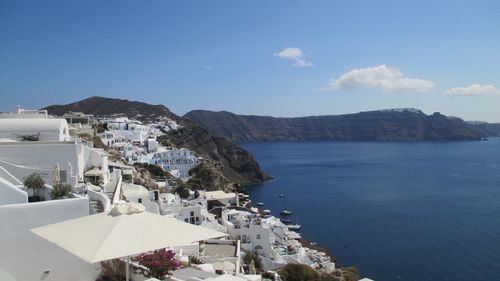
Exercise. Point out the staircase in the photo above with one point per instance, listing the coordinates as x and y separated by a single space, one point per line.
95 207
109 194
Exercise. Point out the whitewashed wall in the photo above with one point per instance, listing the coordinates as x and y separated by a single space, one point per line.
10 194
27 256
22 159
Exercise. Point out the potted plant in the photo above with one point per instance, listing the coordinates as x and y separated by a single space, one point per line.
61 190
35 183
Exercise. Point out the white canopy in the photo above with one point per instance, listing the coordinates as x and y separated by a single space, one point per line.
5 276
103 237
95 172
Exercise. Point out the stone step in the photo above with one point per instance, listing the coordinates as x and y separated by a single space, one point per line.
110 195
96 207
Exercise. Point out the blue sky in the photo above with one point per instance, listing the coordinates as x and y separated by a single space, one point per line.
281 58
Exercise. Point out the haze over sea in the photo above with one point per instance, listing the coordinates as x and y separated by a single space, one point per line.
406 210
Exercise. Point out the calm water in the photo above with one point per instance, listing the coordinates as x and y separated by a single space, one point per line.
407 211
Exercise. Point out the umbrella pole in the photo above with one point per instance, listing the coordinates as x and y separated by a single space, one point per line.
127 272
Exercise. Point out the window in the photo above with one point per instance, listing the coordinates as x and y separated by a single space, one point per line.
197 219
258 236
192 213
139 200
186 220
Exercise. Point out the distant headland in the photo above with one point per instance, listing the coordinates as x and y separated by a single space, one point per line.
406 124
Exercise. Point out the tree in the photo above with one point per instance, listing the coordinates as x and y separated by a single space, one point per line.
61 190
34 182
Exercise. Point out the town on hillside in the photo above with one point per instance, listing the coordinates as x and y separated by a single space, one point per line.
85 170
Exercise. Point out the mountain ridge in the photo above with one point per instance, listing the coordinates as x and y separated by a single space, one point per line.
406 124
106 106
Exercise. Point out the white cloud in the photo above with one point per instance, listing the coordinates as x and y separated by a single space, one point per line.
296 55
472 90
290 53
382 76
303 63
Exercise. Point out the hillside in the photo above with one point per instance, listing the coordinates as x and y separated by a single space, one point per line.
232 161
382 125
106 106
487 129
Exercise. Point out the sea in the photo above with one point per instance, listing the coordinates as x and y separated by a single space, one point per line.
411 211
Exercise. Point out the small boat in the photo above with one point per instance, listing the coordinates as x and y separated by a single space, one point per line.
260 203
286 221
294 226
281 195
266 212
285 213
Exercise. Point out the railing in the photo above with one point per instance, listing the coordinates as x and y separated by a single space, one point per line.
8 176
118 190
16 194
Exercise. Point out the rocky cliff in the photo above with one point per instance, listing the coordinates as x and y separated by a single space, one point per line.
487 129
232 161
382 125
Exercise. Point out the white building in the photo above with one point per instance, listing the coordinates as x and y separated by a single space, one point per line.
166 124
25 113
179 160
37 129
26 256
248 227
173 205
74 158
226 198
138 143
139 194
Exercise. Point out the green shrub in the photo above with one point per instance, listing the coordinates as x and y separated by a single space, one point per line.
155 171
350 274
100 128
299 272
195 260
183 191
61 190
127 178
